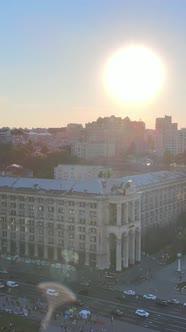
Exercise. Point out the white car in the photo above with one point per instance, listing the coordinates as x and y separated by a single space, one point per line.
150 297
142 313
1 285
12 284
184 304
129 292
52 292
173 301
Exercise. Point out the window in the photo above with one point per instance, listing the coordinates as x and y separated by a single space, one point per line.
22 237
31 238
82 204
82 237
82 246
50 241
93 238
50 209
93 247
61 210
93 205
81 229
13 205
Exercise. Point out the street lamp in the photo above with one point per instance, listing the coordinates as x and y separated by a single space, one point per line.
179 261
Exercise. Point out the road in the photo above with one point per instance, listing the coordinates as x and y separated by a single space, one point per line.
101 302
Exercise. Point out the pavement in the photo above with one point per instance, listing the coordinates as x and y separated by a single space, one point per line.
161 281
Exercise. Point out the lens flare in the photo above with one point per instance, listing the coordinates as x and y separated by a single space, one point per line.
58 295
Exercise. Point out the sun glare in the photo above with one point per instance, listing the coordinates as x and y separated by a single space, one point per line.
133 75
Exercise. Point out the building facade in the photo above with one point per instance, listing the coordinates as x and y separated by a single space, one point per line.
92 150
76 172
46 218
95 222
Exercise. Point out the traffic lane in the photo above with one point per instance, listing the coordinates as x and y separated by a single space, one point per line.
157 319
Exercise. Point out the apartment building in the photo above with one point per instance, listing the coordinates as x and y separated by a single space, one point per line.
168 137
91 150
81 172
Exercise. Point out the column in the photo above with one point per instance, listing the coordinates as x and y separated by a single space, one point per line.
17 239
132 248
119 214
133 211
87 258
35 250
118 254
126 251
26 248
138 246
8 239
126 212
45 251
45 241
108 252
55 253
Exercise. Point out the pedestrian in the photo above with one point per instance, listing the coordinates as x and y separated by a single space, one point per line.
112 318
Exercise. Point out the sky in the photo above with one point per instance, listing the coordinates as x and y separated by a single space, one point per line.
53 53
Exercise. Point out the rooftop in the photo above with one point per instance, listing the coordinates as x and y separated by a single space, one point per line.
93 186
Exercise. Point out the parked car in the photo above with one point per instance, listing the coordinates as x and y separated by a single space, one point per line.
162 302
142 313
129 292
150 296
173 301
52 292
117 313
2 285
12 284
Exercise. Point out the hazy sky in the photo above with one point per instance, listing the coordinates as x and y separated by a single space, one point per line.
53 51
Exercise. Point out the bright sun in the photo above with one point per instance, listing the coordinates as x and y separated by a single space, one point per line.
133 75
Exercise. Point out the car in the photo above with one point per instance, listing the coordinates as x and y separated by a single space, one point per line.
173 301
184 304
52 292
149 297
12 284
142 313
129 292
117 313
161 302
2 285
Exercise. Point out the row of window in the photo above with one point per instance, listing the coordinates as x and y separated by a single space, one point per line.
48 201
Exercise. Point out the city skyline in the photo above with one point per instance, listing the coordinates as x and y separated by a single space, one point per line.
53 55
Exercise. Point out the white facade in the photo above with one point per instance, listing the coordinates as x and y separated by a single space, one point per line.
90 151
81 172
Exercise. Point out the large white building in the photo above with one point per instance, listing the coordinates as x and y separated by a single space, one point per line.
76 172
92 150
97 221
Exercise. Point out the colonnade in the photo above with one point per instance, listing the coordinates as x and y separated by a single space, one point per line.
128 249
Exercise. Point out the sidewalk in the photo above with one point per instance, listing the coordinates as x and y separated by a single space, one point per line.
162 283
